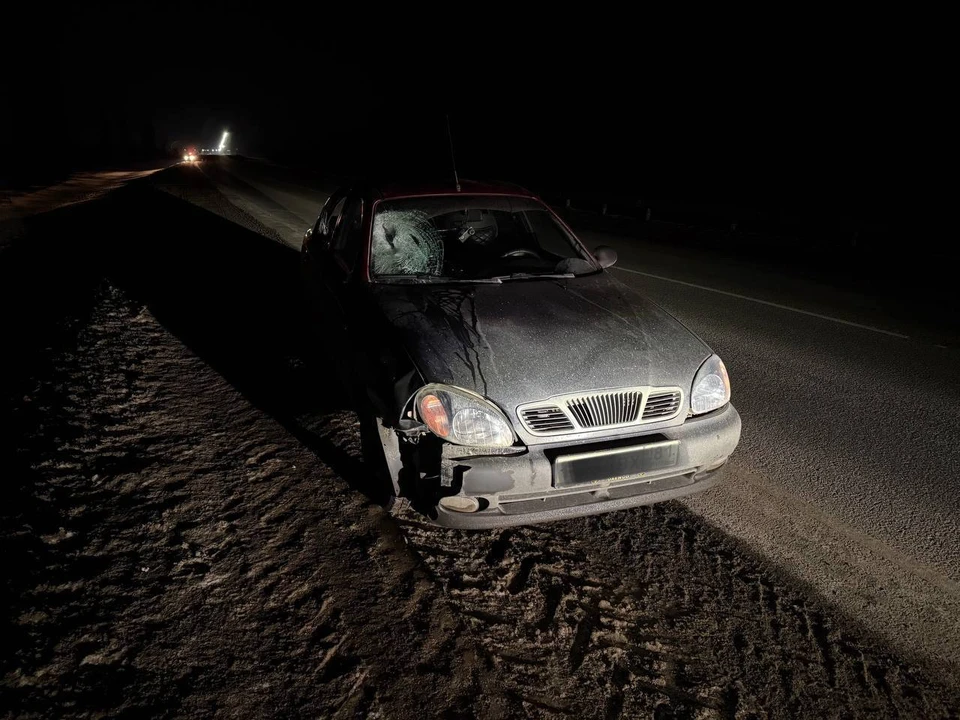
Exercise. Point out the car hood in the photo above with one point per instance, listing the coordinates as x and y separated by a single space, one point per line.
526 340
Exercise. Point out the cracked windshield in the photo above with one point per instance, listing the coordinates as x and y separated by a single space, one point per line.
472 238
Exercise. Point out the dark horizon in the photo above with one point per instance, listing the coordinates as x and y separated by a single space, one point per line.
844 140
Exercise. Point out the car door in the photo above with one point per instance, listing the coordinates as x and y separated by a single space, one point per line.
317 256
332 260
370 352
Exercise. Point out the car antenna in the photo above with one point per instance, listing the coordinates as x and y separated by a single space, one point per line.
453 157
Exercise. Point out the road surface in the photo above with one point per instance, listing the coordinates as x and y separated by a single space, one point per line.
820 579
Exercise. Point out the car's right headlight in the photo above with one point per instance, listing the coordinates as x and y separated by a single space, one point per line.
711 387
462 416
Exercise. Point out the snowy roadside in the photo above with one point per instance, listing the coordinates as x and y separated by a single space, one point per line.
79 187
185 555
16 207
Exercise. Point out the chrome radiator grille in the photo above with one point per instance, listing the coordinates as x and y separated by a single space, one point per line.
605 409
583 412
664 404
547 419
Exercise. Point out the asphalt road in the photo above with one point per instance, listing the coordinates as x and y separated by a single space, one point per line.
846 474
183 466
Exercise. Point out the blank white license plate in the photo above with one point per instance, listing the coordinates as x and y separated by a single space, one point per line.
626 463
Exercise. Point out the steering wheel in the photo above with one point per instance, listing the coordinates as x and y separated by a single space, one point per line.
520 252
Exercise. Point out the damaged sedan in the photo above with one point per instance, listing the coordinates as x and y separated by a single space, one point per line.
502 374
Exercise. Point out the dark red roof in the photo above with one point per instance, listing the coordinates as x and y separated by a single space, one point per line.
467 187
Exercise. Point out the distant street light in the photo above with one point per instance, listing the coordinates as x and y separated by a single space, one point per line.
223 141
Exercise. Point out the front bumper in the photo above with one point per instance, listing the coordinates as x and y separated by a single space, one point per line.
520 489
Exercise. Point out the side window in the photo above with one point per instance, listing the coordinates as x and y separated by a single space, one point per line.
327 220
333 221
346 238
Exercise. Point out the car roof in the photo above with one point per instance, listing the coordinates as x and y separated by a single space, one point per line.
389 190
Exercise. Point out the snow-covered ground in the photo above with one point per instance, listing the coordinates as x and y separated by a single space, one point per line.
79 187
187 527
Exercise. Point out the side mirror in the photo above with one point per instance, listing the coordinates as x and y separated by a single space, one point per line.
605 255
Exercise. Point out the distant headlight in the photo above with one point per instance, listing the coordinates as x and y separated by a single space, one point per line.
462 417
711 387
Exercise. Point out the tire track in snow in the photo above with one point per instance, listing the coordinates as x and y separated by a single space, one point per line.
649 612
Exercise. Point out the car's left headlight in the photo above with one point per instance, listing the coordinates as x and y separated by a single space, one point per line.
711 387
462 417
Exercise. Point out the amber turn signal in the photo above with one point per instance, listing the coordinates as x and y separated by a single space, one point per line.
435 415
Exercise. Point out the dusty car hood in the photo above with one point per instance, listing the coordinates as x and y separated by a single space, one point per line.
526 340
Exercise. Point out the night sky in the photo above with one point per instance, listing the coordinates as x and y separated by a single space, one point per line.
816 118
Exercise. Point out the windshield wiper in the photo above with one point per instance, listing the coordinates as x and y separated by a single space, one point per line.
427 278
532 276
